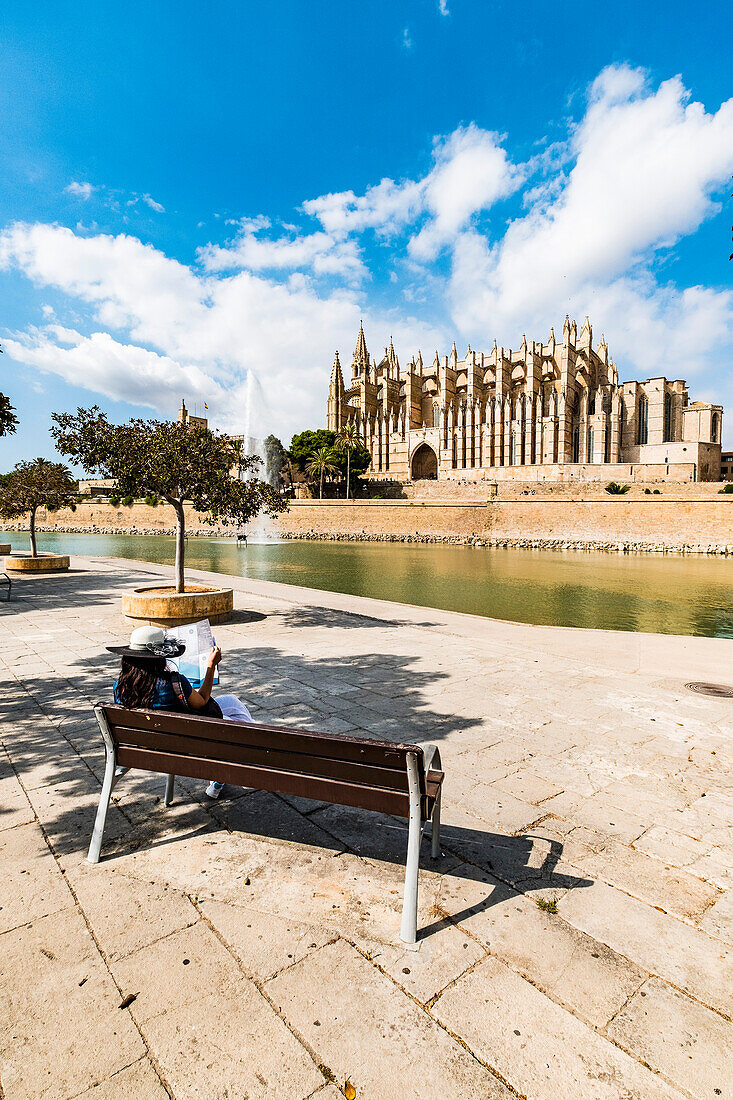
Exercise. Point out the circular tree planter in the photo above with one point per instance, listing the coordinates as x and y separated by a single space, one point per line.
161 605
42 563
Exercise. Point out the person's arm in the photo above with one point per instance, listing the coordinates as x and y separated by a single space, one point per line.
199 697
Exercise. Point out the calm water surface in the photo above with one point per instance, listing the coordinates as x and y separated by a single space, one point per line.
662 594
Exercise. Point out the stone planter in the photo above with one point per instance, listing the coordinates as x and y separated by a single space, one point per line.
43 563
161 605
4 547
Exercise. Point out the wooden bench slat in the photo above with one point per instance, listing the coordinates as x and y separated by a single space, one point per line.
277 759
381 753
268 779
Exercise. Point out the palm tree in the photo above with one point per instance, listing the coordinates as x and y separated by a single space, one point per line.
348 440
321 462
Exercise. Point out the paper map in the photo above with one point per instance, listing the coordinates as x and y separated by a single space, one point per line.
198 640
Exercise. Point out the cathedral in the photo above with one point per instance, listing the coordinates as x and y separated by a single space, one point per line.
547 411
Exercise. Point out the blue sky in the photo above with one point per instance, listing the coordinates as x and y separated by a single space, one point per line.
203 200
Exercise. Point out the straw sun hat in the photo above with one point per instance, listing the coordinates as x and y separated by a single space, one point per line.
149 641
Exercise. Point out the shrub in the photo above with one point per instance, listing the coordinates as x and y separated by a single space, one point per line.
128 501
617 490
114 501
727 488
151 500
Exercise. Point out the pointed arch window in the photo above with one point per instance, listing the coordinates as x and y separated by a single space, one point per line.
642 434
513 449
667 417
576 443
591 445
715 430
436 416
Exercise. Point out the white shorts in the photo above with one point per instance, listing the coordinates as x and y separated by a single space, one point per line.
233 709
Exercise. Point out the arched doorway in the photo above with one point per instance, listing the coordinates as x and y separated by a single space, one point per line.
424 464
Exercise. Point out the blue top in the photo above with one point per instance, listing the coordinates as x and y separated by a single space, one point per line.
165 697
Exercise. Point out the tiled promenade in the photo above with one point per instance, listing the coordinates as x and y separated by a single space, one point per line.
249 948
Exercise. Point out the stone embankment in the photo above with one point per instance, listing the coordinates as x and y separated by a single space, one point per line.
92 529
605 545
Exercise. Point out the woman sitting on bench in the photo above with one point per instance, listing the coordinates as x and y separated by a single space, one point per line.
147 681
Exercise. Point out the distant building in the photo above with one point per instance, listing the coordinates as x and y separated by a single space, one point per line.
726 466
184 417
552 411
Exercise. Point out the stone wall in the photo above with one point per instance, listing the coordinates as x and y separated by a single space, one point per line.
692 518
651 523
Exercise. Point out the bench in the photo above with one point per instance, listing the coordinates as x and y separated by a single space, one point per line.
385 776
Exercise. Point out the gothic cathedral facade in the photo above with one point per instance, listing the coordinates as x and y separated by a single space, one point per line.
552 411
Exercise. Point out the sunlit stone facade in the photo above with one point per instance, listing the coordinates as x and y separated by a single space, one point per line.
551 411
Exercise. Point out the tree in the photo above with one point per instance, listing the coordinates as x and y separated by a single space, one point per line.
33 485
348 441
173 461
276 460
321 462
8 419
305 443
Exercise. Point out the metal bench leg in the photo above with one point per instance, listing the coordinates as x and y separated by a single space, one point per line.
170 780
110 770
435 849
408 930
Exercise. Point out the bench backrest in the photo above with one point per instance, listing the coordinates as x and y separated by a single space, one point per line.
347 771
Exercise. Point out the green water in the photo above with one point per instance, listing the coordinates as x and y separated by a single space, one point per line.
663 594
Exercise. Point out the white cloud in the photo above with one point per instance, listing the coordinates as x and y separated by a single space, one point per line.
471 172
150 201
595 215
321 252
406 38
443 7
204 334
81 190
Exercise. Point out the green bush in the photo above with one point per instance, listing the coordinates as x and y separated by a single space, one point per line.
657 492
128 501
648 492
617 490
151 500
727 488
114 501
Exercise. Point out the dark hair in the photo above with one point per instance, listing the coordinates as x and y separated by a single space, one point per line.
137 680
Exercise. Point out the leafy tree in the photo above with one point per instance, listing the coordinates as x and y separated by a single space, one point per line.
33 485
175 462
276 460
616 490
305 443
347 442
8 419
322 462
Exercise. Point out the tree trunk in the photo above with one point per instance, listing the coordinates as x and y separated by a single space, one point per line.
180 545
348 472
32 525
321 494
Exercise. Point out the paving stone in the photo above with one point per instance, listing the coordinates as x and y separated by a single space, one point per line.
178 970
266 943
61 1029
674 848
673 890
365 1030
718 920
540 1049
136 1082
597 813
689 1044
443 953
571 967
32 885
529 787
14 807
127 913
658 942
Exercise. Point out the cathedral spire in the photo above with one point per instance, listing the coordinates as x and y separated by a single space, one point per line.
360 362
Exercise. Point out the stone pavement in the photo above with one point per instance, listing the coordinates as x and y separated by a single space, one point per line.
250 948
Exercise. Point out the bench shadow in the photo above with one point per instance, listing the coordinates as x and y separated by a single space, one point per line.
48 728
